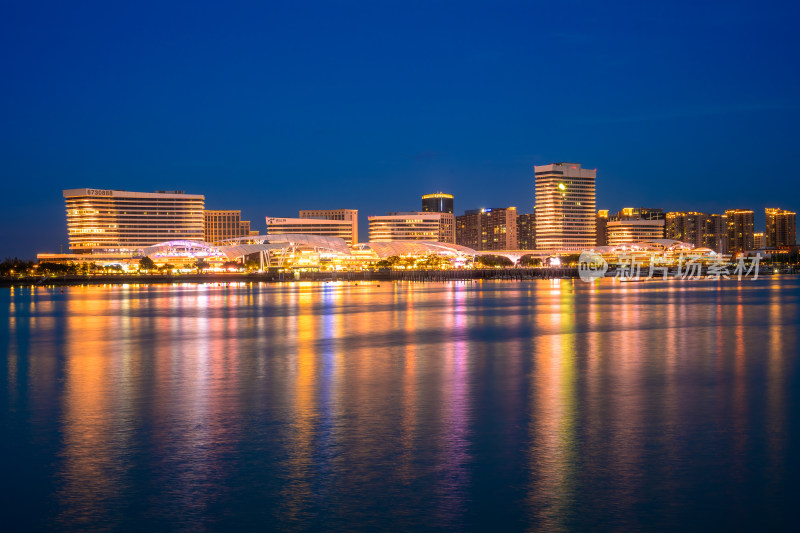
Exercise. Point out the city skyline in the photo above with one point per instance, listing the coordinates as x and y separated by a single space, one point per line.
328 110
101 221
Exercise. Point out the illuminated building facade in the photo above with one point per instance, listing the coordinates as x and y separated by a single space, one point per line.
633 231
312 226
410 226
700 229
526 231
220 225
437 203
600 223
759 241
716 235
488 229
740 230
686 226
781 228
565 207
110 221
346 215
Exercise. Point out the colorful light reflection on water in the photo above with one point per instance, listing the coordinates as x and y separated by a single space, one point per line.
551 404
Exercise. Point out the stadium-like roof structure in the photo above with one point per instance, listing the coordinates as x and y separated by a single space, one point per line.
388 249
652 245
182 248
257 243
247 245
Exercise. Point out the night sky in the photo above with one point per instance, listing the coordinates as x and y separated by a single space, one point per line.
272 107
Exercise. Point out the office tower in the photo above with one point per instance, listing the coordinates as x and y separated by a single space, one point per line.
411 226
565 207
600 222
488 229
111 221
437 203
740 230
343 224
346 215
781 228
759 241
526 231
628 231
220 225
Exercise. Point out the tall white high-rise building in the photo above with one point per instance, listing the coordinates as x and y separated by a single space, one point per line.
565 207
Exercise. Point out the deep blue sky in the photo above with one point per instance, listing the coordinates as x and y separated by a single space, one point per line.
273 107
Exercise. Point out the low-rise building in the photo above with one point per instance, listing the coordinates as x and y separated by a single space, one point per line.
634 230
411 226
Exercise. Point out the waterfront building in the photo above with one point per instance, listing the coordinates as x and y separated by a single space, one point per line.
634 230
488 229
437 203
220 225
347 215
526 231
740 230
702 230
781 228
759 241
565 207
716 233
411 226
101 221
601 221
687 227
344 226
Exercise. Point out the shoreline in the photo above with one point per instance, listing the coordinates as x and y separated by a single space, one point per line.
271 277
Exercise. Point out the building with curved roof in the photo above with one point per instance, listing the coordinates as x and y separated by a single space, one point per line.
293 240
417 248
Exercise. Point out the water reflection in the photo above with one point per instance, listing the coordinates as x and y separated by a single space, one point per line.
552 405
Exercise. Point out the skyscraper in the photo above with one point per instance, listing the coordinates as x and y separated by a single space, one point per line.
740 230
565 207
781 227
437 203
488 229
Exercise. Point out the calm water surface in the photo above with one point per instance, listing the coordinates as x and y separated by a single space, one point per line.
535 405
